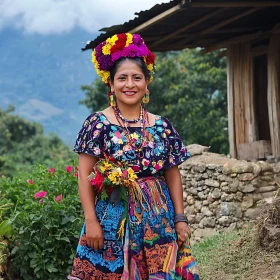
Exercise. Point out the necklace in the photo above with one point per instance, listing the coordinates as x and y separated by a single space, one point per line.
126 125
126 120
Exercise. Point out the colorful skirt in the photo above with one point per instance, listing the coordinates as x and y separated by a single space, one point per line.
148 250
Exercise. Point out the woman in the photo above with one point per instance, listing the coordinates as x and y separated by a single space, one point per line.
155 240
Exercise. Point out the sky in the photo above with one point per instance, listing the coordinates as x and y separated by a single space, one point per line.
46 17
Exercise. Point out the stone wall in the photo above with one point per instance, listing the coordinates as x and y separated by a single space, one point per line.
222 193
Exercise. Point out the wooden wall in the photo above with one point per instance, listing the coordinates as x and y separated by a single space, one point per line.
244 120
241 106
273 93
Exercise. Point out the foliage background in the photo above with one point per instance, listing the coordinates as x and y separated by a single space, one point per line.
23 143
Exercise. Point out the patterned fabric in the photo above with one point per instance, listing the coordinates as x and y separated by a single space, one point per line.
149 249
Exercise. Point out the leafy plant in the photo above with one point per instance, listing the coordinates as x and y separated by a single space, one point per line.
46 217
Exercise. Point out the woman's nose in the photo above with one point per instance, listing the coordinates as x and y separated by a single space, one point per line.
130 83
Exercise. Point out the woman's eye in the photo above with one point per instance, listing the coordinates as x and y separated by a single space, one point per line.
121 78
138 78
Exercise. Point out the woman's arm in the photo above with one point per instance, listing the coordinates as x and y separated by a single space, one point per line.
173 179
94 233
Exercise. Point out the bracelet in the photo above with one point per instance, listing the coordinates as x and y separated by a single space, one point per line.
181 218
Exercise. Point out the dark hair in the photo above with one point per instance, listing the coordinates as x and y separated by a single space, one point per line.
137 60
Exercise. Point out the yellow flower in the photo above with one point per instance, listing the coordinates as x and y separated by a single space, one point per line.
134 136
105 166
106 49
129 39
131 174
150 67
93 57
115 176
104 75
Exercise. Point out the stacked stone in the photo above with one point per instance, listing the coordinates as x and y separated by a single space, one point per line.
223 197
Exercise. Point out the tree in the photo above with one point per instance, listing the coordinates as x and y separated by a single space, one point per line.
23 143
190 90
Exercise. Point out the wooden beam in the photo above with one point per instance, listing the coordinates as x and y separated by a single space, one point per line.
232 41
239 29
233 4
157 18
216 26
188 26
229 20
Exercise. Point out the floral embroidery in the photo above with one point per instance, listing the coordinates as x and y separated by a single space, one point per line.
162 149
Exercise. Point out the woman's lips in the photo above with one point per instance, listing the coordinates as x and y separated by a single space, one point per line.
129 93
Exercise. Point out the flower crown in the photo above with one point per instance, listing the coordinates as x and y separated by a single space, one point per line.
117 46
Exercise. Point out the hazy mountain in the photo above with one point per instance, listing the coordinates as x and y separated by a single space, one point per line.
42 75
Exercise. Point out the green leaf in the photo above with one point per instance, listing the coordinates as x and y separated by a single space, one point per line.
5 228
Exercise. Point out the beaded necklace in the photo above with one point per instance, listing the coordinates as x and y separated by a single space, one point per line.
124 123
126 120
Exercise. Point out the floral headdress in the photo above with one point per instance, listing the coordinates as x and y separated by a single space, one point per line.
117 46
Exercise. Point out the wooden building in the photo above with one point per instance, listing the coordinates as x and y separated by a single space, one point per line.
248 33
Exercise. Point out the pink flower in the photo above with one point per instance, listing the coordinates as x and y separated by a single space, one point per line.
51 170
124 173
41 201
40 194
30 182
58 198
75 175
69 168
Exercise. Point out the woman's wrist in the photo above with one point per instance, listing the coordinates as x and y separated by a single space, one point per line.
181 218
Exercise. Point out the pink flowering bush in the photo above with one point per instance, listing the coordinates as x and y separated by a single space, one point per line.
46 219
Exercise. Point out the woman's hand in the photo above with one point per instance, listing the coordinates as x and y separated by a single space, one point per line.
94 235
183 233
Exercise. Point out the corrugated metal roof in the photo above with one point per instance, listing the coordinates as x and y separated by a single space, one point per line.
141 17
198 23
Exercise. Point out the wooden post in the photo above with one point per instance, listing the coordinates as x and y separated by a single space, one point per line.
241 109
273 92
230 97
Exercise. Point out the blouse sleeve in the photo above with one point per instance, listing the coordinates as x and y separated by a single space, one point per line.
176 151
90 139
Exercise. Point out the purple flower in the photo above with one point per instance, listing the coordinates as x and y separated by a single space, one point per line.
137 40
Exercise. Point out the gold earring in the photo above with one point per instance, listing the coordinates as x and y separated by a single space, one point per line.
146 97
112 100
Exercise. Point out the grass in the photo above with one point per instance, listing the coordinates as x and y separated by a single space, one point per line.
235 256
228 255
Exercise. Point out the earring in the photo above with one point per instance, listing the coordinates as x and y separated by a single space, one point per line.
112 100
146 97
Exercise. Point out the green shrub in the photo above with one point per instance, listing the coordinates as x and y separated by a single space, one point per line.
46 218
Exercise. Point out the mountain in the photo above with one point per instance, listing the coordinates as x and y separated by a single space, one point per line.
42 75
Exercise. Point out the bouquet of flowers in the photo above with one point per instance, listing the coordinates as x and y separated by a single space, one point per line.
108 175
116 180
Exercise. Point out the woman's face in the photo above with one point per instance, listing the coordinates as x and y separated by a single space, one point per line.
129 83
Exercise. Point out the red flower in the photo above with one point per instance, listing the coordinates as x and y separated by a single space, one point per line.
110 190
40 194
51 170
120 43
150 58
30 182
58 198
97 181
135 168
69 168
75 175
